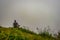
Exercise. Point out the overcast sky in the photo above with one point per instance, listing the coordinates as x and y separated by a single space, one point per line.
31 13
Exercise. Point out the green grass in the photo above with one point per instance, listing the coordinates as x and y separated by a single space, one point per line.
22 34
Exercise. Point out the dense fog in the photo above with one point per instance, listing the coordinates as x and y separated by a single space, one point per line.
31 13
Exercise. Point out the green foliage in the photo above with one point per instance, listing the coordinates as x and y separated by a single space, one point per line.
13 37
27 31
45 34
22 34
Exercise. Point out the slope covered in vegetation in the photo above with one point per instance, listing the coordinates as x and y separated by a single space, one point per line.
22 34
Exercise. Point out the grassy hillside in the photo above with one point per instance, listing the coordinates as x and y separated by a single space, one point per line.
21 34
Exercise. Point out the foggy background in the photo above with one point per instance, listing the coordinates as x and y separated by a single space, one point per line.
31 13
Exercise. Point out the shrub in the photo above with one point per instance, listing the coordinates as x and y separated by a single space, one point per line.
45 34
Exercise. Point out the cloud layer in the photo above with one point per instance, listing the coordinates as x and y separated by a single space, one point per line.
31 13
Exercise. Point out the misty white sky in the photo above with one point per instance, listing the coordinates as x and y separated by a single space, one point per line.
31 13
